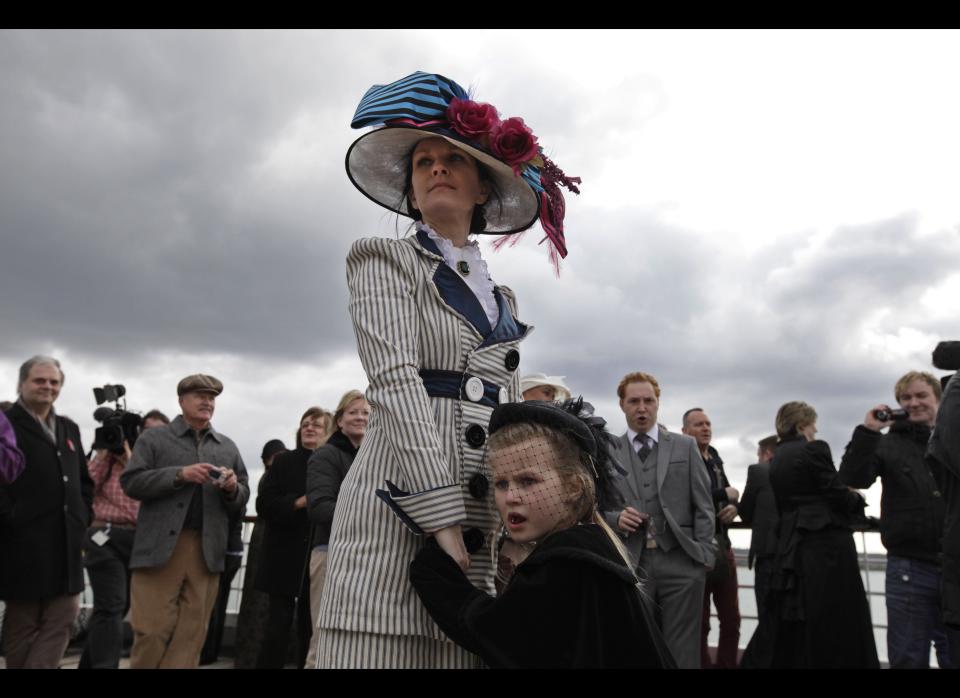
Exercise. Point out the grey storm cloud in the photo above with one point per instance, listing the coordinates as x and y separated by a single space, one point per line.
143 211
737 331
132 196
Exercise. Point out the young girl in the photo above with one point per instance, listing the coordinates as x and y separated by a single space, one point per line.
574 602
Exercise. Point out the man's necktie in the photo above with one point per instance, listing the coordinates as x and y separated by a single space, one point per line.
643 446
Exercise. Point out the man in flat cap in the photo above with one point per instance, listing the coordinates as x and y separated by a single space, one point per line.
189 478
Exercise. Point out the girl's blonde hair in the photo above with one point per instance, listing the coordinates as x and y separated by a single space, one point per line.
574 466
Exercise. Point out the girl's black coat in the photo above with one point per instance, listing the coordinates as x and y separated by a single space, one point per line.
572 603
287 538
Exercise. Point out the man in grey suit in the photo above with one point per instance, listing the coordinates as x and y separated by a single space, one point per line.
668 520
189 478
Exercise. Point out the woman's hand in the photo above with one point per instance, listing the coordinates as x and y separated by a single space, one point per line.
450 540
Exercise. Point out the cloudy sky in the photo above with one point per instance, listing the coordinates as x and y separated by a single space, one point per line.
765 215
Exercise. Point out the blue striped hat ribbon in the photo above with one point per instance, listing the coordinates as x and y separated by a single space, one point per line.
419 97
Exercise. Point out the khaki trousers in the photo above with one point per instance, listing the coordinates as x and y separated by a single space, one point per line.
318 572
36 633
170 607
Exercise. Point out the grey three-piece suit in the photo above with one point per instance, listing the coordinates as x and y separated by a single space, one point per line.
672 485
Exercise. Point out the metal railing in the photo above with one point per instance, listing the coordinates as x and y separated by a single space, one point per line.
870 564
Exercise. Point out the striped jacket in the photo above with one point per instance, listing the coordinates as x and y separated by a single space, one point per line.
427 348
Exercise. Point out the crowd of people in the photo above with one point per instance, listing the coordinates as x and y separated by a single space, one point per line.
152 527
454 514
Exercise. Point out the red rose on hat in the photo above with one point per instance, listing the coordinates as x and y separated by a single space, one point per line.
514 143
472 119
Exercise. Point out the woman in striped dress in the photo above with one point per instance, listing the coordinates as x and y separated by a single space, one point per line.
438 340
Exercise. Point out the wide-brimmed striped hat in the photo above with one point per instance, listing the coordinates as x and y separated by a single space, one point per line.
424 105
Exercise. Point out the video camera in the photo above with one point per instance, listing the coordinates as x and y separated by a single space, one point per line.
119 425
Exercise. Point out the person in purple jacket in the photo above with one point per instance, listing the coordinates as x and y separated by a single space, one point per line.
11 459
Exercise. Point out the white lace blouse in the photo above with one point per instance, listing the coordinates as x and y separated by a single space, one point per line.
478 279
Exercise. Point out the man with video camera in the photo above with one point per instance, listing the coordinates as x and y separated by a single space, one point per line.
109 541
911 517
188 478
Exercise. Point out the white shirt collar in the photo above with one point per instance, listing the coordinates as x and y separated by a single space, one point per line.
654 434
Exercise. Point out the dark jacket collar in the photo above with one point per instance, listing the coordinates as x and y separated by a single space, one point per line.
586 543
912 430
338 440
29 421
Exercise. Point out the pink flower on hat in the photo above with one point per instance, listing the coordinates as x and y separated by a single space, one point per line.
514 143
473 120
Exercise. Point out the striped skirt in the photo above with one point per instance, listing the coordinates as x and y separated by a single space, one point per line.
347 649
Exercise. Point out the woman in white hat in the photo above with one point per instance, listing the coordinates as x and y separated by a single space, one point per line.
538 386
438 341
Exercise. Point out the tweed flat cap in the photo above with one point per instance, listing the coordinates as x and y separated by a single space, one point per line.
199 382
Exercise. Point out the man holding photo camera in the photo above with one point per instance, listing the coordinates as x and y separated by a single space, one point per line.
911 517
188 478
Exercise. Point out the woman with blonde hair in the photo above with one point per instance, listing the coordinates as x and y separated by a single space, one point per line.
817 613
326 469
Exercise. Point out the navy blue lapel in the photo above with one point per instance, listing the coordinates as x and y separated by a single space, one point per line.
508 327
454 290
456 294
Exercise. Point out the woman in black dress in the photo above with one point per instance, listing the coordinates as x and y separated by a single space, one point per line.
817 612
282 503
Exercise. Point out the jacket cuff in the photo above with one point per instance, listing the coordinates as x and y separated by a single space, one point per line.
611 518
865 433
426 512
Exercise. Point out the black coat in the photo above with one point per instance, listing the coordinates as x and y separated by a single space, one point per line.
718 491
573 603
911 504
944 450
817 615
326 470
758 509
44 514
286 542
